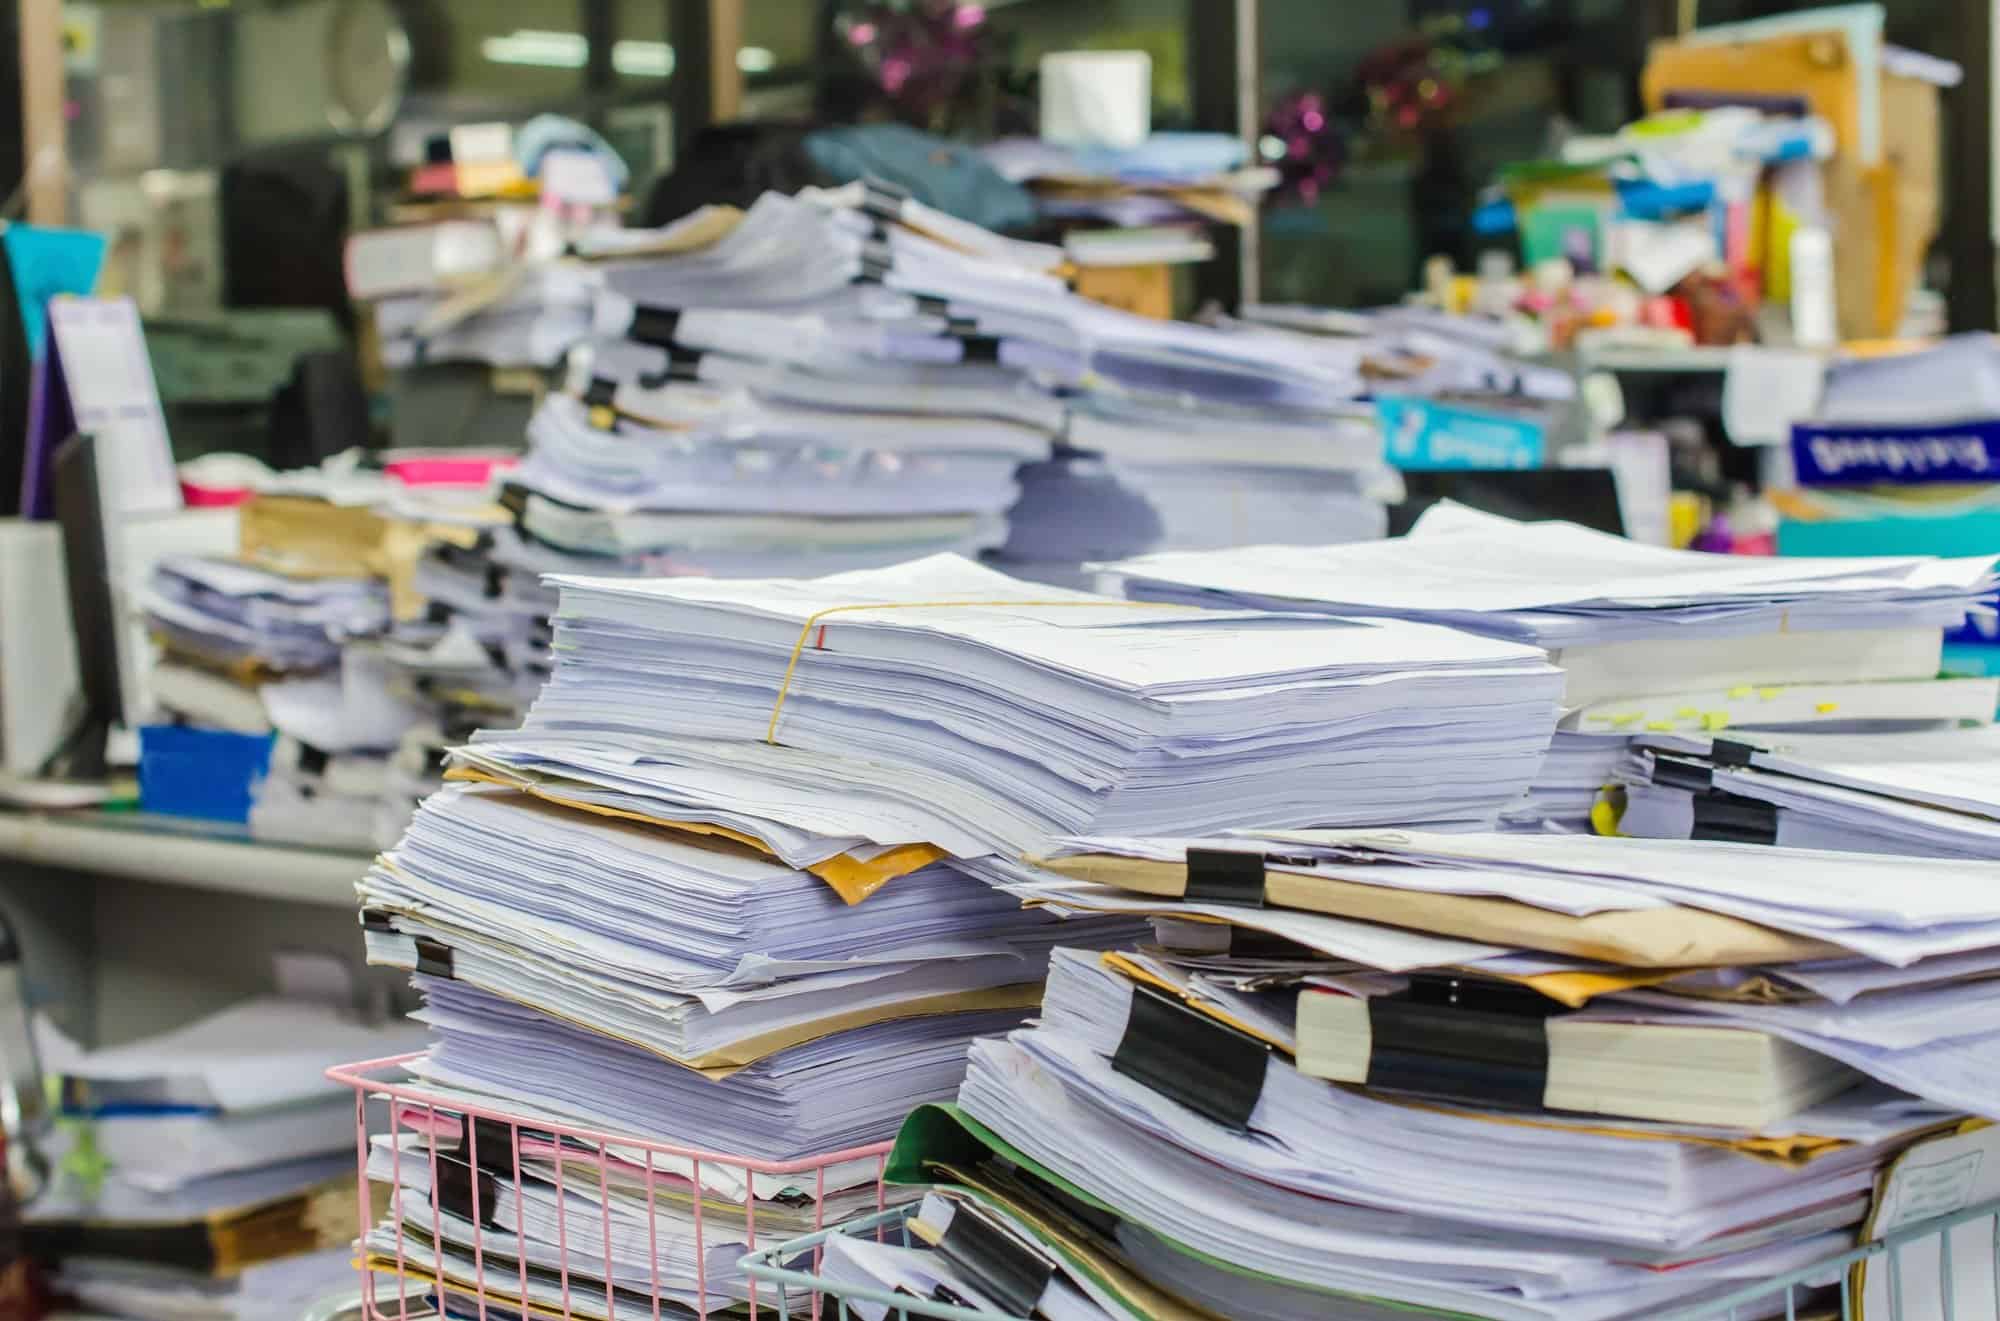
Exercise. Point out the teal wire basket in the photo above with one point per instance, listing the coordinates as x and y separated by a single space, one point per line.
1825 1289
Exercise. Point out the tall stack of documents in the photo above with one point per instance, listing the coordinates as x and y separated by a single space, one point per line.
887 338
208 1170
748 877
1649 640
752 407
1360 1072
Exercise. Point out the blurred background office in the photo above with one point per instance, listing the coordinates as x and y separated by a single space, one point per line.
227 147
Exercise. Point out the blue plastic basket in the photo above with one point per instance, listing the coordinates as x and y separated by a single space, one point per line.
206 773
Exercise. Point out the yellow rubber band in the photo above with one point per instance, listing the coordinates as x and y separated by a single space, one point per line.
812 621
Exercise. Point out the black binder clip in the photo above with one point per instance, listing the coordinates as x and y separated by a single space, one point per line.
599 401
312 760
434 958
654 325
1730 752
1008 1271
378 920
496 581
1462 1039
876 261
1186 1056
1225 876
1674 773
455 1184
1734 819
684 366
931 305
882 200
979 348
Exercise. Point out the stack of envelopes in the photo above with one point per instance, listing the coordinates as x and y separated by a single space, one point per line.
1649 640
1488 1075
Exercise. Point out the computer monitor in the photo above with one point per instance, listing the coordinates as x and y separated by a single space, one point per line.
80 508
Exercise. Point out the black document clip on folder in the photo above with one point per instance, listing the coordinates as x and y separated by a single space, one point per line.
1008 1271
1733 819
1462 1039
1225 876
1208 1066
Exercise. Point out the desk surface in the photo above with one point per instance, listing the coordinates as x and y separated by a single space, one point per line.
150 848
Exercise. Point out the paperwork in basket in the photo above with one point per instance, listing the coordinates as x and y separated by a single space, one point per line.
1936 1178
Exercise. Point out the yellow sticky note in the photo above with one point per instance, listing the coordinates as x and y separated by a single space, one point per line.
1827 708
1715 720
1768 694
1661 726
1687 713
1620 721
1741 692
1603 818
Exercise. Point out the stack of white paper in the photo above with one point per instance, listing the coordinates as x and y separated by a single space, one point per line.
649 918
1624 620
700 951
1520 1132
1322 1200
170 1140
854 322
285 1288
528 319
1929 793
328 778
232 615
1648 639
1059 708
1926 932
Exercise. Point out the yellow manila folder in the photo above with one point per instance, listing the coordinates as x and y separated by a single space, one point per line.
1642 938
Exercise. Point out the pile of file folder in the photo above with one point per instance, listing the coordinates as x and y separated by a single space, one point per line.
1650 641
206 1172
1468 1074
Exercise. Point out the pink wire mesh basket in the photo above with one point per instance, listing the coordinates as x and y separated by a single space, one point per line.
500 1216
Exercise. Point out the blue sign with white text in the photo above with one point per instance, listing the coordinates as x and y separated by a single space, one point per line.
1425 434
1896 456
